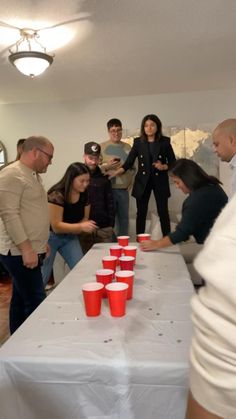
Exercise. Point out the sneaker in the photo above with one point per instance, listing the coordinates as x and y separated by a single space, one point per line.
49 287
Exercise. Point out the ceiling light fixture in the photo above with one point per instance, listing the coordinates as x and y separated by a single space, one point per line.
30 57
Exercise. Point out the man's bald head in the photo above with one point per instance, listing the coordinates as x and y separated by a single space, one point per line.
227 126
35 142
224 139
37 153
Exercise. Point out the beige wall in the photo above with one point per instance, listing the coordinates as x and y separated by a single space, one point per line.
70 125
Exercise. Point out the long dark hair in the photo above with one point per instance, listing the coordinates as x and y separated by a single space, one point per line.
158 123
191 174
65 184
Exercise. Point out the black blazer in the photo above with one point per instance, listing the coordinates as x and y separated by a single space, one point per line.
163 151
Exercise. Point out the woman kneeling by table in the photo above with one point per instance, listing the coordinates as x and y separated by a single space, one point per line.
200 209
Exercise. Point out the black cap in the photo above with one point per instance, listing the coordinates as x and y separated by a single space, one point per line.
92 148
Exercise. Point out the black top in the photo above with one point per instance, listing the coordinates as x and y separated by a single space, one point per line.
151 146
101 200
199 212
160 150
73 213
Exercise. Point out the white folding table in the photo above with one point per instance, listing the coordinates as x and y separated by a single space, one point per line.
61 364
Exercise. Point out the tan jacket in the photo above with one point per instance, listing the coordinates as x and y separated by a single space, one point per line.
23 209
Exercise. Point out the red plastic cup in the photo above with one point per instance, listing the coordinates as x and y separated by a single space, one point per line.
127 263
143 237
104 276
92 293
117 295
123 240
109 262
130 251
128 278
116 250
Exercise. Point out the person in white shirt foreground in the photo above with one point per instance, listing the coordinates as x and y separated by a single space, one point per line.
224 144
213 350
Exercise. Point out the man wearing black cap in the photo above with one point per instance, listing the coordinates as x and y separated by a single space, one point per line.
100 198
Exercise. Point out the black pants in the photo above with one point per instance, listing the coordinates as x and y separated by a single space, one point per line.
162 210
27 291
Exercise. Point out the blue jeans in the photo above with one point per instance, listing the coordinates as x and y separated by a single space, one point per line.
68 246
27 289
121 204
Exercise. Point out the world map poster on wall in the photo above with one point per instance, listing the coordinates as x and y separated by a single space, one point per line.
190 143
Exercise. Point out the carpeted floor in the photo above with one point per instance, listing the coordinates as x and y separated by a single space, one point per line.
5 296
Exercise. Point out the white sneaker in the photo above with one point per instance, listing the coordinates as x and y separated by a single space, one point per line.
49 287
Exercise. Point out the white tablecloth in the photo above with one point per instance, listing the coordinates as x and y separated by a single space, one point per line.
61 364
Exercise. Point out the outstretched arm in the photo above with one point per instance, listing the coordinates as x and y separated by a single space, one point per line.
60 227
156 244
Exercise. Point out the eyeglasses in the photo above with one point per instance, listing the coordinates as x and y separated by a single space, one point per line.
50 156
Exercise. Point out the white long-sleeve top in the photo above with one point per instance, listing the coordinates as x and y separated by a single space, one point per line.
232 164
213 352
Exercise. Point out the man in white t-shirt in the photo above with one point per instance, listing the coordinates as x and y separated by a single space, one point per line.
213 349
224 143
212 355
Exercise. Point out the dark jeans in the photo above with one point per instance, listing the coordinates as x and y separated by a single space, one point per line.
27 290
162 210
121 204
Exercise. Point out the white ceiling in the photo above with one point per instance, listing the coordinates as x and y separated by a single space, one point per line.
122 48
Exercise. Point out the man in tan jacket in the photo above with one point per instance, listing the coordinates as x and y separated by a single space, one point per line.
24 226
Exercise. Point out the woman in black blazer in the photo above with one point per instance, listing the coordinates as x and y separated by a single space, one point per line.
155 154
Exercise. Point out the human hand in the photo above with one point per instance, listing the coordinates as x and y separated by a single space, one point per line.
148 245
30 258
158 165
114 163
88 226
